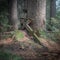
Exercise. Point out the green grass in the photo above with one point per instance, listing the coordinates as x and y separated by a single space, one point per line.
18 34
9 56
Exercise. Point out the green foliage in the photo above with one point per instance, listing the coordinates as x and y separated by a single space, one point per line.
58 15
55 24
42 33
9 56
4 21
54 34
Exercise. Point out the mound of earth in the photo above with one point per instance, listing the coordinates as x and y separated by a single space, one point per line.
30 50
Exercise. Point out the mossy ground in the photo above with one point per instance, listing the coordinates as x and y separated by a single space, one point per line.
9 56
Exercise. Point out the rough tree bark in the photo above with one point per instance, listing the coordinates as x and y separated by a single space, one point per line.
37 12
13 13
52 8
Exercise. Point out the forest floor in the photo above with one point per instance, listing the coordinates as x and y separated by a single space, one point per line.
29 50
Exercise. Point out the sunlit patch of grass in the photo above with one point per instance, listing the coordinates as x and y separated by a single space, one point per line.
9 56
18 34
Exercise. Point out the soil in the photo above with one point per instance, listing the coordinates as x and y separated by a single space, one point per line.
30 50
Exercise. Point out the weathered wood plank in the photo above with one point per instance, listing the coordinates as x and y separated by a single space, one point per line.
33 33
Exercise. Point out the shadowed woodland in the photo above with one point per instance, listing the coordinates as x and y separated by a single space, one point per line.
29 29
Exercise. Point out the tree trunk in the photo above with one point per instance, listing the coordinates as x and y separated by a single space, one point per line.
52 13
52 8
37 12
13 13
41 14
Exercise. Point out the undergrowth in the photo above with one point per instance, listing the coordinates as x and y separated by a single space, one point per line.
9 56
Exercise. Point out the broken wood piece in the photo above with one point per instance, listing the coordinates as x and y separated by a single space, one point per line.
33 33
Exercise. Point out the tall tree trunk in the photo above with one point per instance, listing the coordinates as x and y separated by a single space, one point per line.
52 13
37 11
13 13
52 8
41 14
31 7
